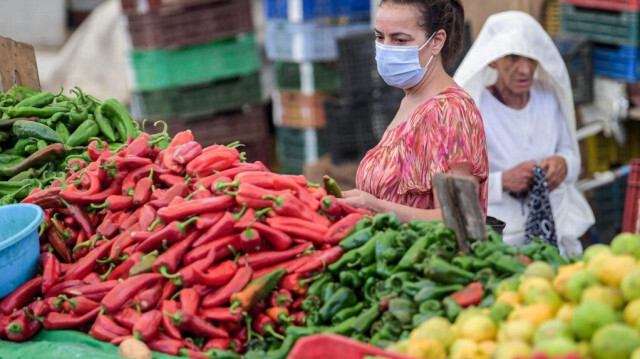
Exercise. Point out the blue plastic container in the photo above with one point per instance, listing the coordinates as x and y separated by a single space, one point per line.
618 62
19 245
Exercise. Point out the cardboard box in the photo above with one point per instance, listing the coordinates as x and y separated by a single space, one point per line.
477 11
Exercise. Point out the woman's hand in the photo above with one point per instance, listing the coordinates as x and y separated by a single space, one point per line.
360 199
556 168
518 179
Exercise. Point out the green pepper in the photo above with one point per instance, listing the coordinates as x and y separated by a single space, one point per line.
484 249
416 253
504 263
343 328
396 280
40 100
436 292
44 112
551 255
31 149
342 298
429 306
451 308
104 124
328 290
382 221
63 131
311 303
362 256
403 309
423 317
500 311
315 288
485 275
364 321
31 129
487 301
20 93
390 330
120 117
370 289
368 271
357 239
464 262
347 313
385 253
292 334
26 174
412 288
404 239
41 144
83 133
424 227
78 115
440 271
351 278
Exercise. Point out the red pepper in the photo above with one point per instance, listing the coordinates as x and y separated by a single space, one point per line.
167 346
206 220
321 259
469 295
217 276
208 162
125 290
187 152
289 205
129 182
72 195
60 321
299 228
179 139
169 260
224 226
57 289
115 202
127 317
189 301
295 283
168 290
114 188
279 315
197 325
264 325
275 237
220 314
130 162
299 318
177 190
122 241
281 298
122 270
96 148
175 201
92 278
142 191
172 233
236 284
108 228
195 207
348 209
139 147
231 173
250 241
237 345
286 182
171 180
264 259
86 264
81 305
217 343
51 270
95 291
185 275
147 326
253 196
290 266
39 308
149 298
119 340
105 329
168 308
58 244
21 296
247 215
221 247
130 220
266 180
329 205
82 218
21 328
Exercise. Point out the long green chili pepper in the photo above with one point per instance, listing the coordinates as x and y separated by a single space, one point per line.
86 130
104 124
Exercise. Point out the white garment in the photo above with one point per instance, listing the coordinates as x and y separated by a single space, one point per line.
515 32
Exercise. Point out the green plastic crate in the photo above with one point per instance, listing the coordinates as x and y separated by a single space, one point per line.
611 27
308 77
220 59
295 147
213 97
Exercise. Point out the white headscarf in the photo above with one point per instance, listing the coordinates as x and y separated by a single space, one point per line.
517 33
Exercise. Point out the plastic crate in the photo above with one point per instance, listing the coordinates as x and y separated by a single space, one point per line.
349 128
307 77
193 25
630 149
615 5
577 53
618 62
608 207
631 217
610 27
305 10
297 110
212 97
220 59
356 63
307 41
552 11
297 147
601 153
132 7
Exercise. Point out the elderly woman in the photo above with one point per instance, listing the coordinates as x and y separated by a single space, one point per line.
521 85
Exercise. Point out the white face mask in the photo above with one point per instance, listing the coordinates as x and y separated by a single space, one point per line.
399 66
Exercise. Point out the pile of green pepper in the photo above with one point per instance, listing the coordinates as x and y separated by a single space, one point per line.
42 132
394 276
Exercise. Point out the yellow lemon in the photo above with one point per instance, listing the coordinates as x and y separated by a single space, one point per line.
608 295
511 298
512 349
543 294
630 285
436 328
598 261
615 269
488 347
527 283
400 347
462 348
536 314
426 348
565 313
564 273
478 328
631 313
516 329
539 269
594 250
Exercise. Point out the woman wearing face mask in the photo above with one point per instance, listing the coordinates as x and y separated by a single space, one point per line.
438 128
522 88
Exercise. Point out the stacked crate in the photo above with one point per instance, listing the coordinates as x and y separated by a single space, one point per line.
196 65
301 41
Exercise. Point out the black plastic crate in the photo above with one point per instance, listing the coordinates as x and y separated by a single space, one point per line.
350 131
357 63
608 207
577 55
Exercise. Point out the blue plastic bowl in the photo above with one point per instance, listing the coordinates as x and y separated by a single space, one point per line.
19 244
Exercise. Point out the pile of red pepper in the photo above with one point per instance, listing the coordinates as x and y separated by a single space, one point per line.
190 249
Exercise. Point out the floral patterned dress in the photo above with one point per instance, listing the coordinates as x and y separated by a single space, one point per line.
445 131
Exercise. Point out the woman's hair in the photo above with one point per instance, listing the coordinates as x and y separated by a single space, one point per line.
447 15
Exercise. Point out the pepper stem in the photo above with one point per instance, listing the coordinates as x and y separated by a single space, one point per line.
154 224
240 213
108 272
104 204
164 271
31 316
15 328
183 225
278 200
263 211
269 330
222 185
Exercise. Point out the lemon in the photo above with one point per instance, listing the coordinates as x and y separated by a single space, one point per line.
536 314
631 285
565 313
511 298
631 313
512 349
597 262
478 328
488 347
594 250
608 295
436 328
543 294
530 282
615 269
426 348
539 269
564 273
626 243
517 329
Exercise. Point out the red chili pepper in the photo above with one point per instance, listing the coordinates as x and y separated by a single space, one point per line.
224 226
119 340
129 182
115 202
253 196
179 139
185 275
231 173
82 218
61 321
129 162
265 180
290 266
170 307
189 301
122 270
167 346
149 298
321 259
73 195
299 228
108 227
264 325
263 259
171 180
39 308
250 241
168 290
236 284
197 325
96 148
168 262
105 329
247 215
125 290
217 276
221 247
57 289
187 152
172 233
469 295
81 305
127 317
281 298
130 220
177 190
92 278
299 318
147 326
139 147
329 205
206 220
21 328
195 207
142 191
289 205
220 314
122 241
217 343
279 315
286 182
295 283
349 209
21 296
275 237
95 291
114 188
51 270
208 162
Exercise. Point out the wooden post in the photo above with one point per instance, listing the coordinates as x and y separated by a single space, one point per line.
461 209
17 65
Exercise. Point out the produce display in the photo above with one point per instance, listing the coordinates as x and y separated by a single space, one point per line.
42 135
587 309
